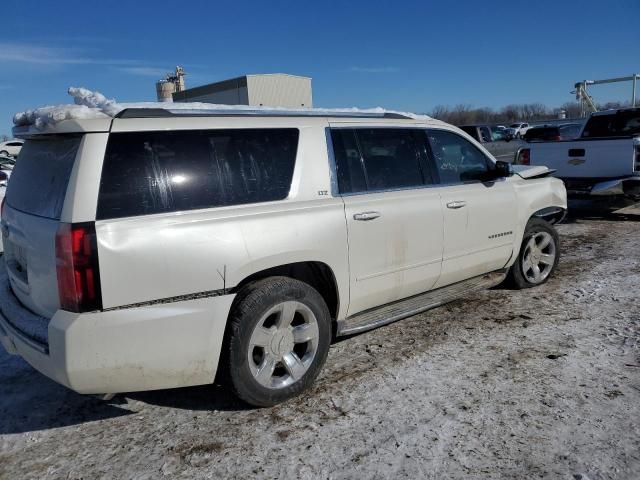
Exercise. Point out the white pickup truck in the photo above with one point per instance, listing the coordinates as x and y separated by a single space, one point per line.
603 161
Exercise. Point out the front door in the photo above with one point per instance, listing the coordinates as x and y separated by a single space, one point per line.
480 216
393 217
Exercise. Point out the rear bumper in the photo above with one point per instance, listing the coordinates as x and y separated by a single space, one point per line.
146 348
585 187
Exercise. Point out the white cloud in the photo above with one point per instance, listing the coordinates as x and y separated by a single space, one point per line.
39 55
374 69
34 54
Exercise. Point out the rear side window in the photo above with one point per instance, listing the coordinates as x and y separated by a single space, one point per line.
373 159
619 124
157 172
457 160
39 180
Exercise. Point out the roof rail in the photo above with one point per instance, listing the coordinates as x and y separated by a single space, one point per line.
197 112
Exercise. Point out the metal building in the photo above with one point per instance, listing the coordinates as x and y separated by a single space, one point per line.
273 90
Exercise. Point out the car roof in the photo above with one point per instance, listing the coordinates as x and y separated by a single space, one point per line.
75 118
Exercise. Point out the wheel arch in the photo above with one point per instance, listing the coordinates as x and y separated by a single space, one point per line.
552 214
317 275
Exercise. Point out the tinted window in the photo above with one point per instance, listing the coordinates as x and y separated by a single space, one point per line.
39 180
349 163
472 131
370 159
456 159
485 134
619 124
156 172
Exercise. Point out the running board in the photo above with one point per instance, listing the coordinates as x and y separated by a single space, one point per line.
422 302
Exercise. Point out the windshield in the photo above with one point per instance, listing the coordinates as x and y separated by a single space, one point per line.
619 124
39 180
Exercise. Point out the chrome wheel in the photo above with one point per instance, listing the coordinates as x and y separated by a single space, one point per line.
539 257
283 344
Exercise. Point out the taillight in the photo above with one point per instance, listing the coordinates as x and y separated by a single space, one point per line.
524 157
77 267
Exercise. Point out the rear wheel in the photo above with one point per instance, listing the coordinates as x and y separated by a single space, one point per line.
278 340
538 257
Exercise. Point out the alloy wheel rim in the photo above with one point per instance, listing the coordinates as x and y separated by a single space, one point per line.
283 344
539 257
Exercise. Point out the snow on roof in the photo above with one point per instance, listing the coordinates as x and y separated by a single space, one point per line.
91 105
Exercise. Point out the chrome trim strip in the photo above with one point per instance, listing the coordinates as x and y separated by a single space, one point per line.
178 298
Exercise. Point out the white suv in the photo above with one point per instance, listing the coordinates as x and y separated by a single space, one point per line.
161 247
518 130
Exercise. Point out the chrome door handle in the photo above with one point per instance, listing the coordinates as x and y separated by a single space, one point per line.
456 204
366 216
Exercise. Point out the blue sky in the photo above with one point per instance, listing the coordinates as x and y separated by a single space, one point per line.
407 55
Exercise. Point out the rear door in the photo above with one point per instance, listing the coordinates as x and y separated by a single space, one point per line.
480 216
31 216
394 218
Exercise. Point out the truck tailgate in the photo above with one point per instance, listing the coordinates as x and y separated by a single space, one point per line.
586 158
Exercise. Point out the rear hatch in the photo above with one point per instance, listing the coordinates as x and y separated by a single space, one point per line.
31 217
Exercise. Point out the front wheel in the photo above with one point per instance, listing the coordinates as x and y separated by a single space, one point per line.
538 257
278 340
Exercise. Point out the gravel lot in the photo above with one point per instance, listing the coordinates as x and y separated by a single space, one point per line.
543 383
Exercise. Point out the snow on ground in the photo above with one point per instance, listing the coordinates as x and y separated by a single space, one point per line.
542 383
89 104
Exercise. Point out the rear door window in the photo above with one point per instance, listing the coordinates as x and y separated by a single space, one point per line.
375 159
39 180
157 172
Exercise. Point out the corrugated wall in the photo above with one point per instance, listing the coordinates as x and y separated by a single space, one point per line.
234 96
279 91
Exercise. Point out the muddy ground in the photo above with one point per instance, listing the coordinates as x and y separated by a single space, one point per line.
542 383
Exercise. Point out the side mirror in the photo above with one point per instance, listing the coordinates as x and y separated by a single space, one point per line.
503 169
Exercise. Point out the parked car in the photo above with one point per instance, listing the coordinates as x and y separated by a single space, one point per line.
552 133
518 129
173 246
603 161
497 141
11 148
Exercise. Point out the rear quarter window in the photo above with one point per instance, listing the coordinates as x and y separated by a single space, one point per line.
39 180
157 172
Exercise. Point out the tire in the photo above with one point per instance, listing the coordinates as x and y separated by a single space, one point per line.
264 364
5 153
540 247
